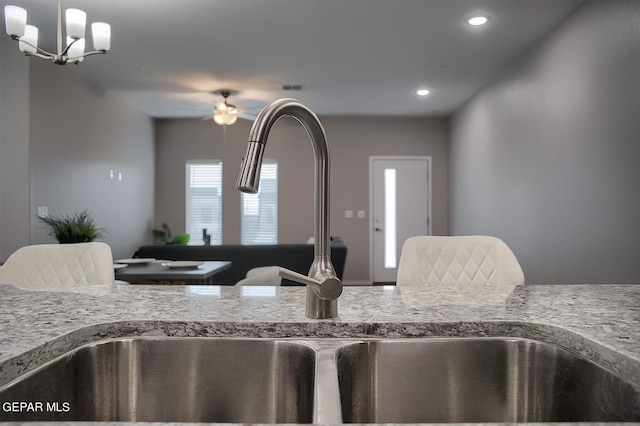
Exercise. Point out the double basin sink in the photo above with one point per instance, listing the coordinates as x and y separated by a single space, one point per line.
247 380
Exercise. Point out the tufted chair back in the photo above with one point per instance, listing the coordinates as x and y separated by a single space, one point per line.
474 260
262 275
60 267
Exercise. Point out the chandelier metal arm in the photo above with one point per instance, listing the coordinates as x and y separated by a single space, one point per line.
61 58
40 52
94 52
91 52
40 55
66 49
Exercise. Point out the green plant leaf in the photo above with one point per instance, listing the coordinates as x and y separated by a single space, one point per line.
74 228
181 239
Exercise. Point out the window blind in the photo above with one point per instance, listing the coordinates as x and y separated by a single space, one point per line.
203 201
259 212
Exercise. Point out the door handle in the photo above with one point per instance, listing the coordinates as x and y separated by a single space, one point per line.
378 229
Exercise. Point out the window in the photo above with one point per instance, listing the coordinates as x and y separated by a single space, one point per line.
203 201
259 212
390 236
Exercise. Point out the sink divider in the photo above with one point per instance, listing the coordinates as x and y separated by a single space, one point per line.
327 408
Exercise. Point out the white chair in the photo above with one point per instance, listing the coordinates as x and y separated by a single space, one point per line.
81 267
475 260
262 275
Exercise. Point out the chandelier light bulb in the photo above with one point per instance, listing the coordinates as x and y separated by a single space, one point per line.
76 49
76 21
15 19
28 43
101 34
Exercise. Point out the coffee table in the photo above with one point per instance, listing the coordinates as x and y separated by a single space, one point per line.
157 272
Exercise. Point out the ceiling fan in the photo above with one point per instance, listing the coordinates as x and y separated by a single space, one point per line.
225 114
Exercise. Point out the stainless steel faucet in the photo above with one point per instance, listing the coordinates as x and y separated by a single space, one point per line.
323 286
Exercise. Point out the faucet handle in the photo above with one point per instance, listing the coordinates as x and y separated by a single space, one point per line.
329 288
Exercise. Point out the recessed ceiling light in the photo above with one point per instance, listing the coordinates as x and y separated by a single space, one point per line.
478 20
423 92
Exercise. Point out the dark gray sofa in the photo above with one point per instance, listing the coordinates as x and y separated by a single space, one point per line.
297 257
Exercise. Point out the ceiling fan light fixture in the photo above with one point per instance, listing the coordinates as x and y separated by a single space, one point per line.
225 114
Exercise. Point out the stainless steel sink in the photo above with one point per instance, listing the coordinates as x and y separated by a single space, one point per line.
477 380
324 381
172 379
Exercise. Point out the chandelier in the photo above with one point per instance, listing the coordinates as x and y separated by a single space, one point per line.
225 114
15 19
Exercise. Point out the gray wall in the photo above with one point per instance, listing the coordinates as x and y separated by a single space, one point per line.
351 141
59 140
78 134
14 148
548 156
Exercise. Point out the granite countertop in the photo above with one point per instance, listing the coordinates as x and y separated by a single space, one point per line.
602 322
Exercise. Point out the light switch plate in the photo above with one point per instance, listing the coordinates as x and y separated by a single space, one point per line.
42 211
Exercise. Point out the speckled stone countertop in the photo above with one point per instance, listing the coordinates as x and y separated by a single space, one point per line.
602 322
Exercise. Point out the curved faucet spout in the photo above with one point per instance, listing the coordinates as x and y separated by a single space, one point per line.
318 305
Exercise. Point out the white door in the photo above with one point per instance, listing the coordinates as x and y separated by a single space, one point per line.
400 198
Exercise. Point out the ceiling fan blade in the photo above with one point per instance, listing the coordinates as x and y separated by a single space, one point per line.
247 116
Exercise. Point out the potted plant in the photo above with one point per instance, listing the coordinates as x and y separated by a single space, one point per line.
73 228
164 236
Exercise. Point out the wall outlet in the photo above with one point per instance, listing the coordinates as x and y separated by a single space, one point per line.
348 214
42 211
361 214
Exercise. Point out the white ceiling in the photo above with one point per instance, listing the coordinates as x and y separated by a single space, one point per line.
352 57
